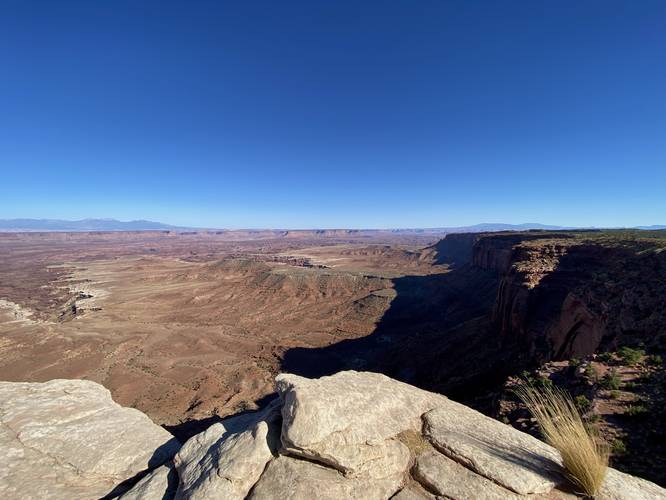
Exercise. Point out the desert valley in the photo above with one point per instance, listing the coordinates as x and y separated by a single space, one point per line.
193 326
185 326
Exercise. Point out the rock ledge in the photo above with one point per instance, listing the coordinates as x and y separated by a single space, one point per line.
351 435
365 436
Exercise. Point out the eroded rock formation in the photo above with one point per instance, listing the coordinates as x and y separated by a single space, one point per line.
568 294
356 435
570 298
365 436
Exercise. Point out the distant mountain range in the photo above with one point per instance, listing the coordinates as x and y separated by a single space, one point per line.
31 225
83 225
486 227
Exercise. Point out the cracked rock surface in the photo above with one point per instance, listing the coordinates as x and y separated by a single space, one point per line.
68 439
351 435
365 436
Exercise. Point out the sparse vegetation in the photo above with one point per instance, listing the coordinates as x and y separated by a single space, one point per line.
630 386
543 382
611 380
614 394
584 457
591 372
583 404
637 410
606 357
630 356
618 447
575 362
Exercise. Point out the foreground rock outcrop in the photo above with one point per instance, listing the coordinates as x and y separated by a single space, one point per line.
365 436
68 439
351 435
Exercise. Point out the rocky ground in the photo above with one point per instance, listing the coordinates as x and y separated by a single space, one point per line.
352 435
622 396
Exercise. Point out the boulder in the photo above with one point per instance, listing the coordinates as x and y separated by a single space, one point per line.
510 458
68 439
161 484
345 420
288 478
226 460
352 435
621 486
413 492
448 478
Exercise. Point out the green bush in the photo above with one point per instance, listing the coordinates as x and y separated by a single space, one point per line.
606 357
630 386
575 362
630 356
611 380
637 410
614 394
618 447
543 383
582 403
591 372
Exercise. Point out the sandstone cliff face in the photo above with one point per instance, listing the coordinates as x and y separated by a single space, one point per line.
454 249
567 299
564 295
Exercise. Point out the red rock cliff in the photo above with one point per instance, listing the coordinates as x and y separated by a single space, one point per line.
564 295
563 298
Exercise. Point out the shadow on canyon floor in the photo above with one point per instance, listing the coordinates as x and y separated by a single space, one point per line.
436 334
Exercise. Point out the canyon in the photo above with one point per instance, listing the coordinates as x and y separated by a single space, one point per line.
193 327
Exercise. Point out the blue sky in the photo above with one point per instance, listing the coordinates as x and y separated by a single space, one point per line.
334 113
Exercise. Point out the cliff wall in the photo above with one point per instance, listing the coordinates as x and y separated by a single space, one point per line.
564 295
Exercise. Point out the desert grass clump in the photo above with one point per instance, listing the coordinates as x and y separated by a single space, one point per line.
584 457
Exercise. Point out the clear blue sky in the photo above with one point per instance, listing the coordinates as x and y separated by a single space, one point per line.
334 113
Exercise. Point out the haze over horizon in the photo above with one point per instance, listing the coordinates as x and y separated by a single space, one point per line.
111 224
302 115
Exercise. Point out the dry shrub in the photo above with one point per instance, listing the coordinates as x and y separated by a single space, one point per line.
584 457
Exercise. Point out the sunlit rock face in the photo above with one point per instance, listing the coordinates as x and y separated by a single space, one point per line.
68 439
362 435
356 435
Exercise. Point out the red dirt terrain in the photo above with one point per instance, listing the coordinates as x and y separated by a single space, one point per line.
185 326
